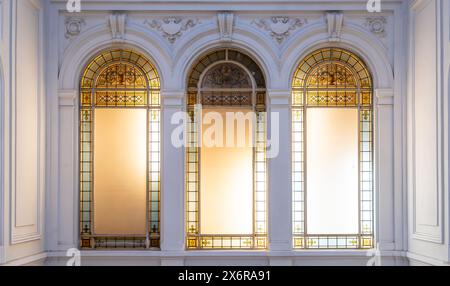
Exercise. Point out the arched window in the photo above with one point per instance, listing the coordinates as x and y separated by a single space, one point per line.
226 183
119 152
332 152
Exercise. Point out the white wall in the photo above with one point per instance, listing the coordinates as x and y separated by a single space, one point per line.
2 112
23 184
428 127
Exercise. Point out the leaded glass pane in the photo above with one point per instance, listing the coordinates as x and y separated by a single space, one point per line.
331 77
230 81
116 79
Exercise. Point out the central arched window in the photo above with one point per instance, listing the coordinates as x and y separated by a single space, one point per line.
119 152
332 152
226 154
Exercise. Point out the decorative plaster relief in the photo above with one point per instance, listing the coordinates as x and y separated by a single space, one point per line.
377 25
73 26
225 22
280 27
117 23
172 27
335 21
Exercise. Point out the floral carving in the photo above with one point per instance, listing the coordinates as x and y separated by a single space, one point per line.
280 27
172 27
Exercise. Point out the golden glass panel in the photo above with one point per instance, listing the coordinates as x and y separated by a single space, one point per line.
214 98
225 199
121 75
120 171
120 78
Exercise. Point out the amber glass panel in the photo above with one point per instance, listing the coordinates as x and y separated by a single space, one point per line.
120 171
226 187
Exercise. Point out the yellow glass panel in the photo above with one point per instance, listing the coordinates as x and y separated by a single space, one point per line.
226 187
120 171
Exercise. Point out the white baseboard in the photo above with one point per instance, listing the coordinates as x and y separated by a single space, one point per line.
426 260
26 260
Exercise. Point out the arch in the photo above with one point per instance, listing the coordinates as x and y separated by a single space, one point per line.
97 39
120 92
333 86
133 67
354 38
205 61
245 62
242 88
257 48
340 66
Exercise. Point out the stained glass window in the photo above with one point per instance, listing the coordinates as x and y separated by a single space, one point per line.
332 152
120 168
234 214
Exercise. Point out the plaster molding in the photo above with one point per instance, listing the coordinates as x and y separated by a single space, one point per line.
67 97
74 25
280 27
172 27
384 96
376 25
334 20
173 98
225 22
117 24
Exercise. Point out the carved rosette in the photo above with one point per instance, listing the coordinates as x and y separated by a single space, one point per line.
74 26
377 25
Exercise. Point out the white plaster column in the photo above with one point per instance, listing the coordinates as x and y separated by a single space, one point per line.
384 170
279 178
67 171
172 183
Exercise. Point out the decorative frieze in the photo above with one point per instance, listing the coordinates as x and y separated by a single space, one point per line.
172 27
280 27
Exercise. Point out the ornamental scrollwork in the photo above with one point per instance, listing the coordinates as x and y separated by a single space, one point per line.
280 27
172 28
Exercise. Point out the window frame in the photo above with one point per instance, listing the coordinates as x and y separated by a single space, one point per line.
301 102
87 105
195 240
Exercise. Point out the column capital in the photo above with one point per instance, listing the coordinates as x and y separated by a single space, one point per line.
67 97
279 97
173 97
385 96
